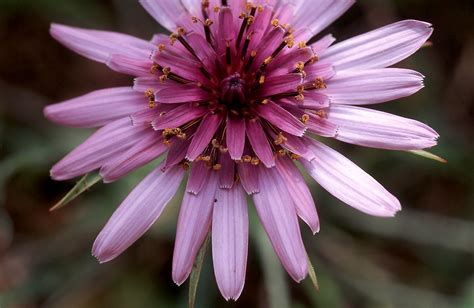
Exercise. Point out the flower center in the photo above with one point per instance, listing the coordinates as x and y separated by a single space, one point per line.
233 92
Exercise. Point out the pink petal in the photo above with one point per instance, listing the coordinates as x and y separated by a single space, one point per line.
379 48
99 45
137 213
277 212
373 86
259 142
249 178
316 17
230 241
182 94
129 65
178 116
281 118
101 147
281 84
140 154
97 108
299 192
204 135
165 12
235 136
347 182
227 172
372 128
197 177
193 225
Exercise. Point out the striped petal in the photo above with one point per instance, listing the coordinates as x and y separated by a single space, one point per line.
379 48
193 225
137 213
230 240
372 128
99 45
97 108
277 212
347 182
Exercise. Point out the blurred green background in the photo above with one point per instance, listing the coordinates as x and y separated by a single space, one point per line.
422 258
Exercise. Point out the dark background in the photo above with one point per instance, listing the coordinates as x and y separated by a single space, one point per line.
422 258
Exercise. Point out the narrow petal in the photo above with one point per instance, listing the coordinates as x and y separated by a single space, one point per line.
98 149
230 240
182 94
138 67
227 171
235 136
193 225
299 192
140 154
178 116
347 182
259 142
281 84
277 212
317 17
197 177
281 118
99 45
137 213
249 178
379 48
204 135
372 128
97 108
373 86
165 12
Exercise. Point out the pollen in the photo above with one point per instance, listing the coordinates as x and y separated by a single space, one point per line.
280 139
319 84
305 118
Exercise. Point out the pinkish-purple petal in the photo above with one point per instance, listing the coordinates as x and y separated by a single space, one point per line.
373 86
281 118
259 141
97 108
193 225
132 66
203 135
227 172
379 48
317 16
101 147
299 192
349 183
165 12
235 136
178 116
249 178
277 212
230 240
372 128
140 154
197 177
137 213
99 45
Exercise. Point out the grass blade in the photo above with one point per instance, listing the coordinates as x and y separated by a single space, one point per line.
84 184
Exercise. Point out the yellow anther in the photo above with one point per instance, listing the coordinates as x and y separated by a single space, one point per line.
300 89
305 118
261 80
299 97
255 161
268 60
280 139
295 156
217 167
319 83
161 47
265 102
186 165
314 59
299 66
215 143
275 22
208 22
302 45
247 158
154 68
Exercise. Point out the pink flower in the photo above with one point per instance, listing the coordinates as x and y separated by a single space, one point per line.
235 95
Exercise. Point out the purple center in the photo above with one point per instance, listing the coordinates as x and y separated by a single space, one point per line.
233 89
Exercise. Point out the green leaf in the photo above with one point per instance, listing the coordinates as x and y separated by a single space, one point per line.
429 155
312 275
196 273
84 184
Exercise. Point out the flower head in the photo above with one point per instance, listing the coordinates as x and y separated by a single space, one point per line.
235 96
